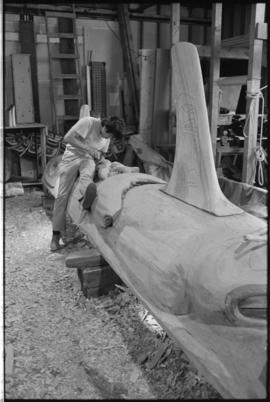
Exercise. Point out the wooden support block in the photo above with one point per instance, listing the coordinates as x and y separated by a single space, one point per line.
85 259
97 281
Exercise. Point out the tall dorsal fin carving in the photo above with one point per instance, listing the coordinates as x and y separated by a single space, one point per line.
194 179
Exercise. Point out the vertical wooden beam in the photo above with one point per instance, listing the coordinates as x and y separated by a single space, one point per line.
175 37
175 23
141 26
23 94
129 55
27 41
214 72
253 86
161 104
158 26
147 81
43 146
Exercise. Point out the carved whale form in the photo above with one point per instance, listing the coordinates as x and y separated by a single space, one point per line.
194 178
197 261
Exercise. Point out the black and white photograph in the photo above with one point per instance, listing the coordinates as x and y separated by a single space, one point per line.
134 200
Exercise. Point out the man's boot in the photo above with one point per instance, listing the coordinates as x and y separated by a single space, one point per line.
89 196
55 242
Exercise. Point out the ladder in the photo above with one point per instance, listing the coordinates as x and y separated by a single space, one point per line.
64 65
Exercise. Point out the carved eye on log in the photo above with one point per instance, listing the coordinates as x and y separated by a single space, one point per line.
254 307
247 305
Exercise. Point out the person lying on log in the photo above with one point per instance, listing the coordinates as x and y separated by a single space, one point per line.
87 142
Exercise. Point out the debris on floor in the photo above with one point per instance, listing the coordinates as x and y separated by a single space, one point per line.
61 345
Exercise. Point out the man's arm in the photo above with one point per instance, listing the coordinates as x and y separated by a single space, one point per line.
77 141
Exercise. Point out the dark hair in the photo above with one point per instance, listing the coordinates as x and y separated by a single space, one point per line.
114 125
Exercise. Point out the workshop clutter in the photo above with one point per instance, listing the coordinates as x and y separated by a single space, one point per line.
25 144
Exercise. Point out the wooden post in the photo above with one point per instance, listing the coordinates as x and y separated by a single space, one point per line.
28 45
253 86
161 103
129 55
147 81
175 37
213 110
175 23
158 26
43 145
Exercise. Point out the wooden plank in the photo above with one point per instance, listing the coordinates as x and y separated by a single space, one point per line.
175 23
85 258
8 83
147 81
225 52
66 76
54 126
55 14
64 55
175 37
253 86
88 87
43 147
23 88
28 46
215 71
236 41
61 35
161 109
129 55
158 27
9 359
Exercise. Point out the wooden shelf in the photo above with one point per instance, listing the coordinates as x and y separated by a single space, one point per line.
254 47
236 41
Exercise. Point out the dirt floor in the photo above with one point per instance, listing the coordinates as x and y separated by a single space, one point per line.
60 345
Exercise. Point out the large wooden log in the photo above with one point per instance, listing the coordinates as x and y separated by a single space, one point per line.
197 261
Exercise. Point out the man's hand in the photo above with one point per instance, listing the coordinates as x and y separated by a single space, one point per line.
95 153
